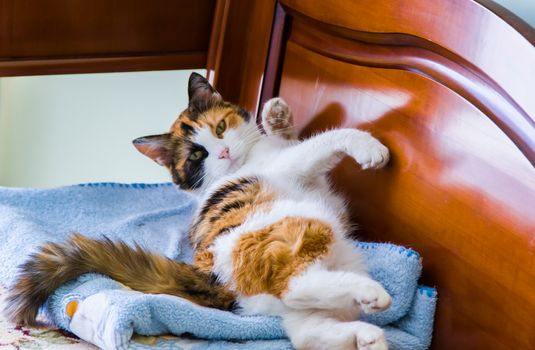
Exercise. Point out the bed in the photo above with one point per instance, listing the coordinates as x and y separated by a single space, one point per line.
448 85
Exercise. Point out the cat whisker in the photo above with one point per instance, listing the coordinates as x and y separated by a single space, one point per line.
250 137
200 180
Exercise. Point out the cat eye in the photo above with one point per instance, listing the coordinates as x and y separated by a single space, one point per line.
196 155
221 127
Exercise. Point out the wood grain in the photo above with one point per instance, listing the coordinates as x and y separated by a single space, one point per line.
275 59
89 36
446 68
447 86
457 190
463 27
217 40
101 65
244 48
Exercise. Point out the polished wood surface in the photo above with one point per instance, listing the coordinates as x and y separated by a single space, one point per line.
217 40
457 190
74 36
237 60
275 59
453 72
461 27
447 85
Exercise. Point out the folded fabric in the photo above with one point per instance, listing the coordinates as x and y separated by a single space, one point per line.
157 216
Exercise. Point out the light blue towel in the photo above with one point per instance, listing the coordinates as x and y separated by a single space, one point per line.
157 216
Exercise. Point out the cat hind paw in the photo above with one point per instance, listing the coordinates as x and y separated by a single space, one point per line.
371 339
373 298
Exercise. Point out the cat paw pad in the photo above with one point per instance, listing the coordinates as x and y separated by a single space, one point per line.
277 118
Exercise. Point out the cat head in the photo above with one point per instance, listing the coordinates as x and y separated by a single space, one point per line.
211 138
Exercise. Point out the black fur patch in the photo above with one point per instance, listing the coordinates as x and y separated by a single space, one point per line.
188 130
244 114
194 169
233 205
202 96
190 176
219 195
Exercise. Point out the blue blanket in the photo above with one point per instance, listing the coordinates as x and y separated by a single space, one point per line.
157 217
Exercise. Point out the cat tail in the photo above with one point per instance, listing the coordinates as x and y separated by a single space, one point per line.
57 263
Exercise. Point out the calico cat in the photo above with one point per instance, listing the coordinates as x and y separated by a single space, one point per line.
269 228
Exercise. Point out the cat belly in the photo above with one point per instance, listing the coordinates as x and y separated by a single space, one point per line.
260 261
269 248
261 304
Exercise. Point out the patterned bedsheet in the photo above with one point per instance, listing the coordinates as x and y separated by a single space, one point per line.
48 337
16 337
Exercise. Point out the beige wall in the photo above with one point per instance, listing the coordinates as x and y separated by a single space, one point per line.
67 129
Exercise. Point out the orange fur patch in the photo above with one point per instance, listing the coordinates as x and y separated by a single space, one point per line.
265 260
230 212
211 117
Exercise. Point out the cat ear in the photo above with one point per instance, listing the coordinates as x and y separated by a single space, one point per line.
201 94
156 148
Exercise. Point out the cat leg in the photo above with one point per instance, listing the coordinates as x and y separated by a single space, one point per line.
319 288
316 330
321 153
277 119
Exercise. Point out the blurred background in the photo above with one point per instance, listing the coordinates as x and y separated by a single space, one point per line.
524 9
66 129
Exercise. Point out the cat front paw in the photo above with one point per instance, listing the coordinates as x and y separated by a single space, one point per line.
373 298
277 118
374 155
379 156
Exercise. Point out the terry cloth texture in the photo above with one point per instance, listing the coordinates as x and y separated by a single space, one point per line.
157 217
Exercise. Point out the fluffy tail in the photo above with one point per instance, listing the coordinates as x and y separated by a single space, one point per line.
57 263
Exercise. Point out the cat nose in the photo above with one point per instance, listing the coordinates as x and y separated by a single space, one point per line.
224 154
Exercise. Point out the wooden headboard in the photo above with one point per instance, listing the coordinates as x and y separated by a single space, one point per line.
449 86
80 36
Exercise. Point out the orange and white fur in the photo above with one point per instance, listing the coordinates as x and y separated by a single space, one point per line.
269 227
288 254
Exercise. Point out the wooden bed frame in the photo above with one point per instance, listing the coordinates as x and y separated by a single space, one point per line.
448 85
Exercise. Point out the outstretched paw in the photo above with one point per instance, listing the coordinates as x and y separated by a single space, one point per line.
374 155
277 118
